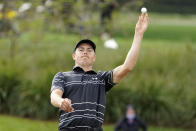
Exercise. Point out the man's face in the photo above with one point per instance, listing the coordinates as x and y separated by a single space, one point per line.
84 55
130 112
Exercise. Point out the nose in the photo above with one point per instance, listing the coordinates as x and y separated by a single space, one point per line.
85 52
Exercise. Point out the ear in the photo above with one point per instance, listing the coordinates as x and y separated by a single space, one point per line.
94 58
74 56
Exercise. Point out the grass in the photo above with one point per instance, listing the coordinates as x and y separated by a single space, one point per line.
10 123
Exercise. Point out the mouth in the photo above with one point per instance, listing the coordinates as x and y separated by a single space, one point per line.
84 56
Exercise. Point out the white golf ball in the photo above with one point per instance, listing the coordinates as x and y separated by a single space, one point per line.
143 10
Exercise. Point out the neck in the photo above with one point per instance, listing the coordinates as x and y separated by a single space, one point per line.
85 68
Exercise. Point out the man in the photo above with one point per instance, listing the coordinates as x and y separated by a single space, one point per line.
130 122
80 94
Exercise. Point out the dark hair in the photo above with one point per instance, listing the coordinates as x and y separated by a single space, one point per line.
130 107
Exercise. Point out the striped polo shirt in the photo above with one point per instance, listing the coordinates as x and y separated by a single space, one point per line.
87 91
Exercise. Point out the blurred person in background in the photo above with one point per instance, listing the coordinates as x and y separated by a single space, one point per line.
130 122
107 10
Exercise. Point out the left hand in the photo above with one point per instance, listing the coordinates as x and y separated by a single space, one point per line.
142 24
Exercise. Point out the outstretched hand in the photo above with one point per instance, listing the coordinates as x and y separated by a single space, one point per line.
142 23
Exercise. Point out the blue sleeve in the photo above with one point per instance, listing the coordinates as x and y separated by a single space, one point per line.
58 82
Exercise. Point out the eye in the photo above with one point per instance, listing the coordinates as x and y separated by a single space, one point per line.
81 50
89 50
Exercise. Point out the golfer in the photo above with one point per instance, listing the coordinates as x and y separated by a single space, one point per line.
80 93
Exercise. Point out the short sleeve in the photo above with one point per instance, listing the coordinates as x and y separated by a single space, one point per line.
58 82
108 78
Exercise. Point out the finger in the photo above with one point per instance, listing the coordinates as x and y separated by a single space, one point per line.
70 108
65 108
62 103
140 20
142 16
65 105
69 103
147 17
65 102
146 20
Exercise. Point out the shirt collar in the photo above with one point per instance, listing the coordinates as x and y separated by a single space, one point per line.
79 69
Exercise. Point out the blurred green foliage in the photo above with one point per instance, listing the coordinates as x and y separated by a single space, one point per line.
172 6
161 87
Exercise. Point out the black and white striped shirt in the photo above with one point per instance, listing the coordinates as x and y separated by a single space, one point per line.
87 91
